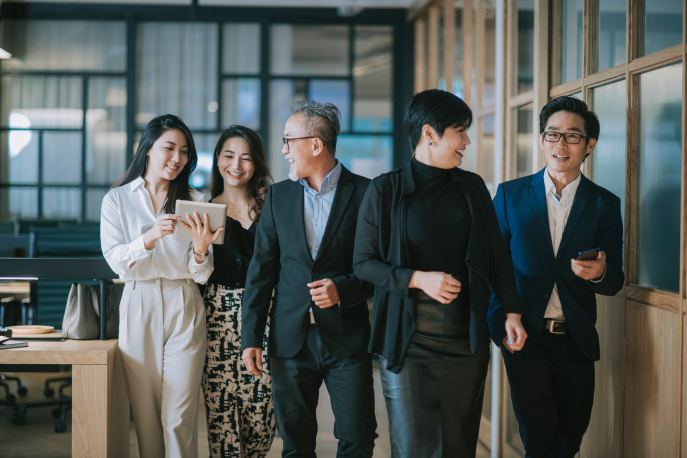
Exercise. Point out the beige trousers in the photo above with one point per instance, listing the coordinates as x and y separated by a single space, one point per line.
162 339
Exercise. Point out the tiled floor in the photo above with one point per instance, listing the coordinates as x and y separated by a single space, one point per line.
37 438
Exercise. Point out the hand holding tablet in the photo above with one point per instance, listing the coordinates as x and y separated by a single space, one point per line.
202 214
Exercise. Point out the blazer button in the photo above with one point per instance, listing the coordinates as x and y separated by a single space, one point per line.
315 274
546 296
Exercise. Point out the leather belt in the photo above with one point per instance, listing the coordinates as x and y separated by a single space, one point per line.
555 326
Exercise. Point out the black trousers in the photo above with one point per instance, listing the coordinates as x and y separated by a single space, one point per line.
552 387
295 385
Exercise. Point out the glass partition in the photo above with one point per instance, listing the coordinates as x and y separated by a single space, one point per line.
106 130
525 46
662 25
309 50
241 48
660 157
42 102
176 72
524 128
611 34
487 152
64 45
569 54
489 84
373 79
609 157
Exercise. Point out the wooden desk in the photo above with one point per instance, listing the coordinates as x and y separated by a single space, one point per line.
100 406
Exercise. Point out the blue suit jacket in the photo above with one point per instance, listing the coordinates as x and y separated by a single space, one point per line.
594 222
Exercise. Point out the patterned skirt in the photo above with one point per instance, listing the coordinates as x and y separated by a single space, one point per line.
238 405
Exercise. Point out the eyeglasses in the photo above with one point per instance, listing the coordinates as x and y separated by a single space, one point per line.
287 140
572 139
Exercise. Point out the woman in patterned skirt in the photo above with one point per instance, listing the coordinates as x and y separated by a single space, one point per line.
239 407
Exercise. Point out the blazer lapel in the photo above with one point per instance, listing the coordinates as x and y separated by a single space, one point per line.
297 196
538 193
344 191
584 193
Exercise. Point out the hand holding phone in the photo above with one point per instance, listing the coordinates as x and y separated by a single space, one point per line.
588 255
590 264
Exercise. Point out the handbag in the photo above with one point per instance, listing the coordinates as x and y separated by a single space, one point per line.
82 315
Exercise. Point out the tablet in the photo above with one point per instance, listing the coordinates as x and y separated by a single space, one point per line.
217 214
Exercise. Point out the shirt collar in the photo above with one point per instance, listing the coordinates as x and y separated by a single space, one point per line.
137 183
329 182
570 189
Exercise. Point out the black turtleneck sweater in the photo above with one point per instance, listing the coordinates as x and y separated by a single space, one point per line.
438 226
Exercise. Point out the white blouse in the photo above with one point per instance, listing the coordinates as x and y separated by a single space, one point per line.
127 213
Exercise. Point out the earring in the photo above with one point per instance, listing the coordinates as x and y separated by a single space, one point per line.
431 143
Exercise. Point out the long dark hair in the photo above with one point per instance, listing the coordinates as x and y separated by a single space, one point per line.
261 179
179 187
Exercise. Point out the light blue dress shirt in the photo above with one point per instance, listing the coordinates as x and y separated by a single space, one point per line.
318 206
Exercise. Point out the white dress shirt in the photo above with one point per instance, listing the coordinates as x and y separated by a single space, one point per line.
127 213
558 208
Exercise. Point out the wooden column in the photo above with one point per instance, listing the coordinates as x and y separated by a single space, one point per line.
449 43
480 58
468 38
541 74
433 46
420 57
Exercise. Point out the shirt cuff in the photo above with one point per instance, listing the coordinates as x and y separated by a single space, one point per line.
602 276
195 263
138 250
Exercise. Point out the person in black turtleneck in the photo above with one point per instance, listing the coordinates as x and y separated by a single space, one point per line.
238 406
428 239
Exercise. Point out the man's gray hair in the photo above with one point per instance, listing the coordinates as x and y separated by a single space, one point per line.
321 121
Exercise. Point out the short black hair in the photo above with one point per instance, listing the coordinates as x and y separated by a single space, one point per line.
437 108
573 105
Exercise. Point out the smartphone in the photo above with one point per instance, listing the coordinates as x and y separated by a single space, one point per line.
588 255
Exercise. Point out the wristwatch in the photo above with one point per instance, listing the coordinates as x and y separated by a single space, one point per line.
202 256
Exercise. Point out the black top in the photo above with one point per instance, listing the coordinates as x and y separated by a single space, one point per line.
438 223
233 256
382 257
438 228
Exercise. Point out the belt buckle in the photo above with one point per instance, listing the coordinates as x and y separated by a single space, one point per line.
551 327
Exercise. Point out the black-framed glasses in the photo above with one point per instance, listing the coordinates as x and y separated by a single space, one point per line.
287 140
572 139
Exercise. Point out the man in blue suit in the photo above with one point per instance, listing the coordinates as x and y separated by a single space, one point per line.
546 219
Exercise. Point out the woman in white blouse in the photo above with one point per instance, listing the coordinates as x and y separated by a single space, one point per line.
162 333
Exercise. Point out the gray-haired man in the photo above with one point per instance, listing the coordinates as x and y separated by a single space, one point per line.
319 327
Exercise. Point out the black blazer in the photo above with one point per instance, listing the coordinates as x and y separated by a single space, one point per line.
282 258
594 222
382 258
